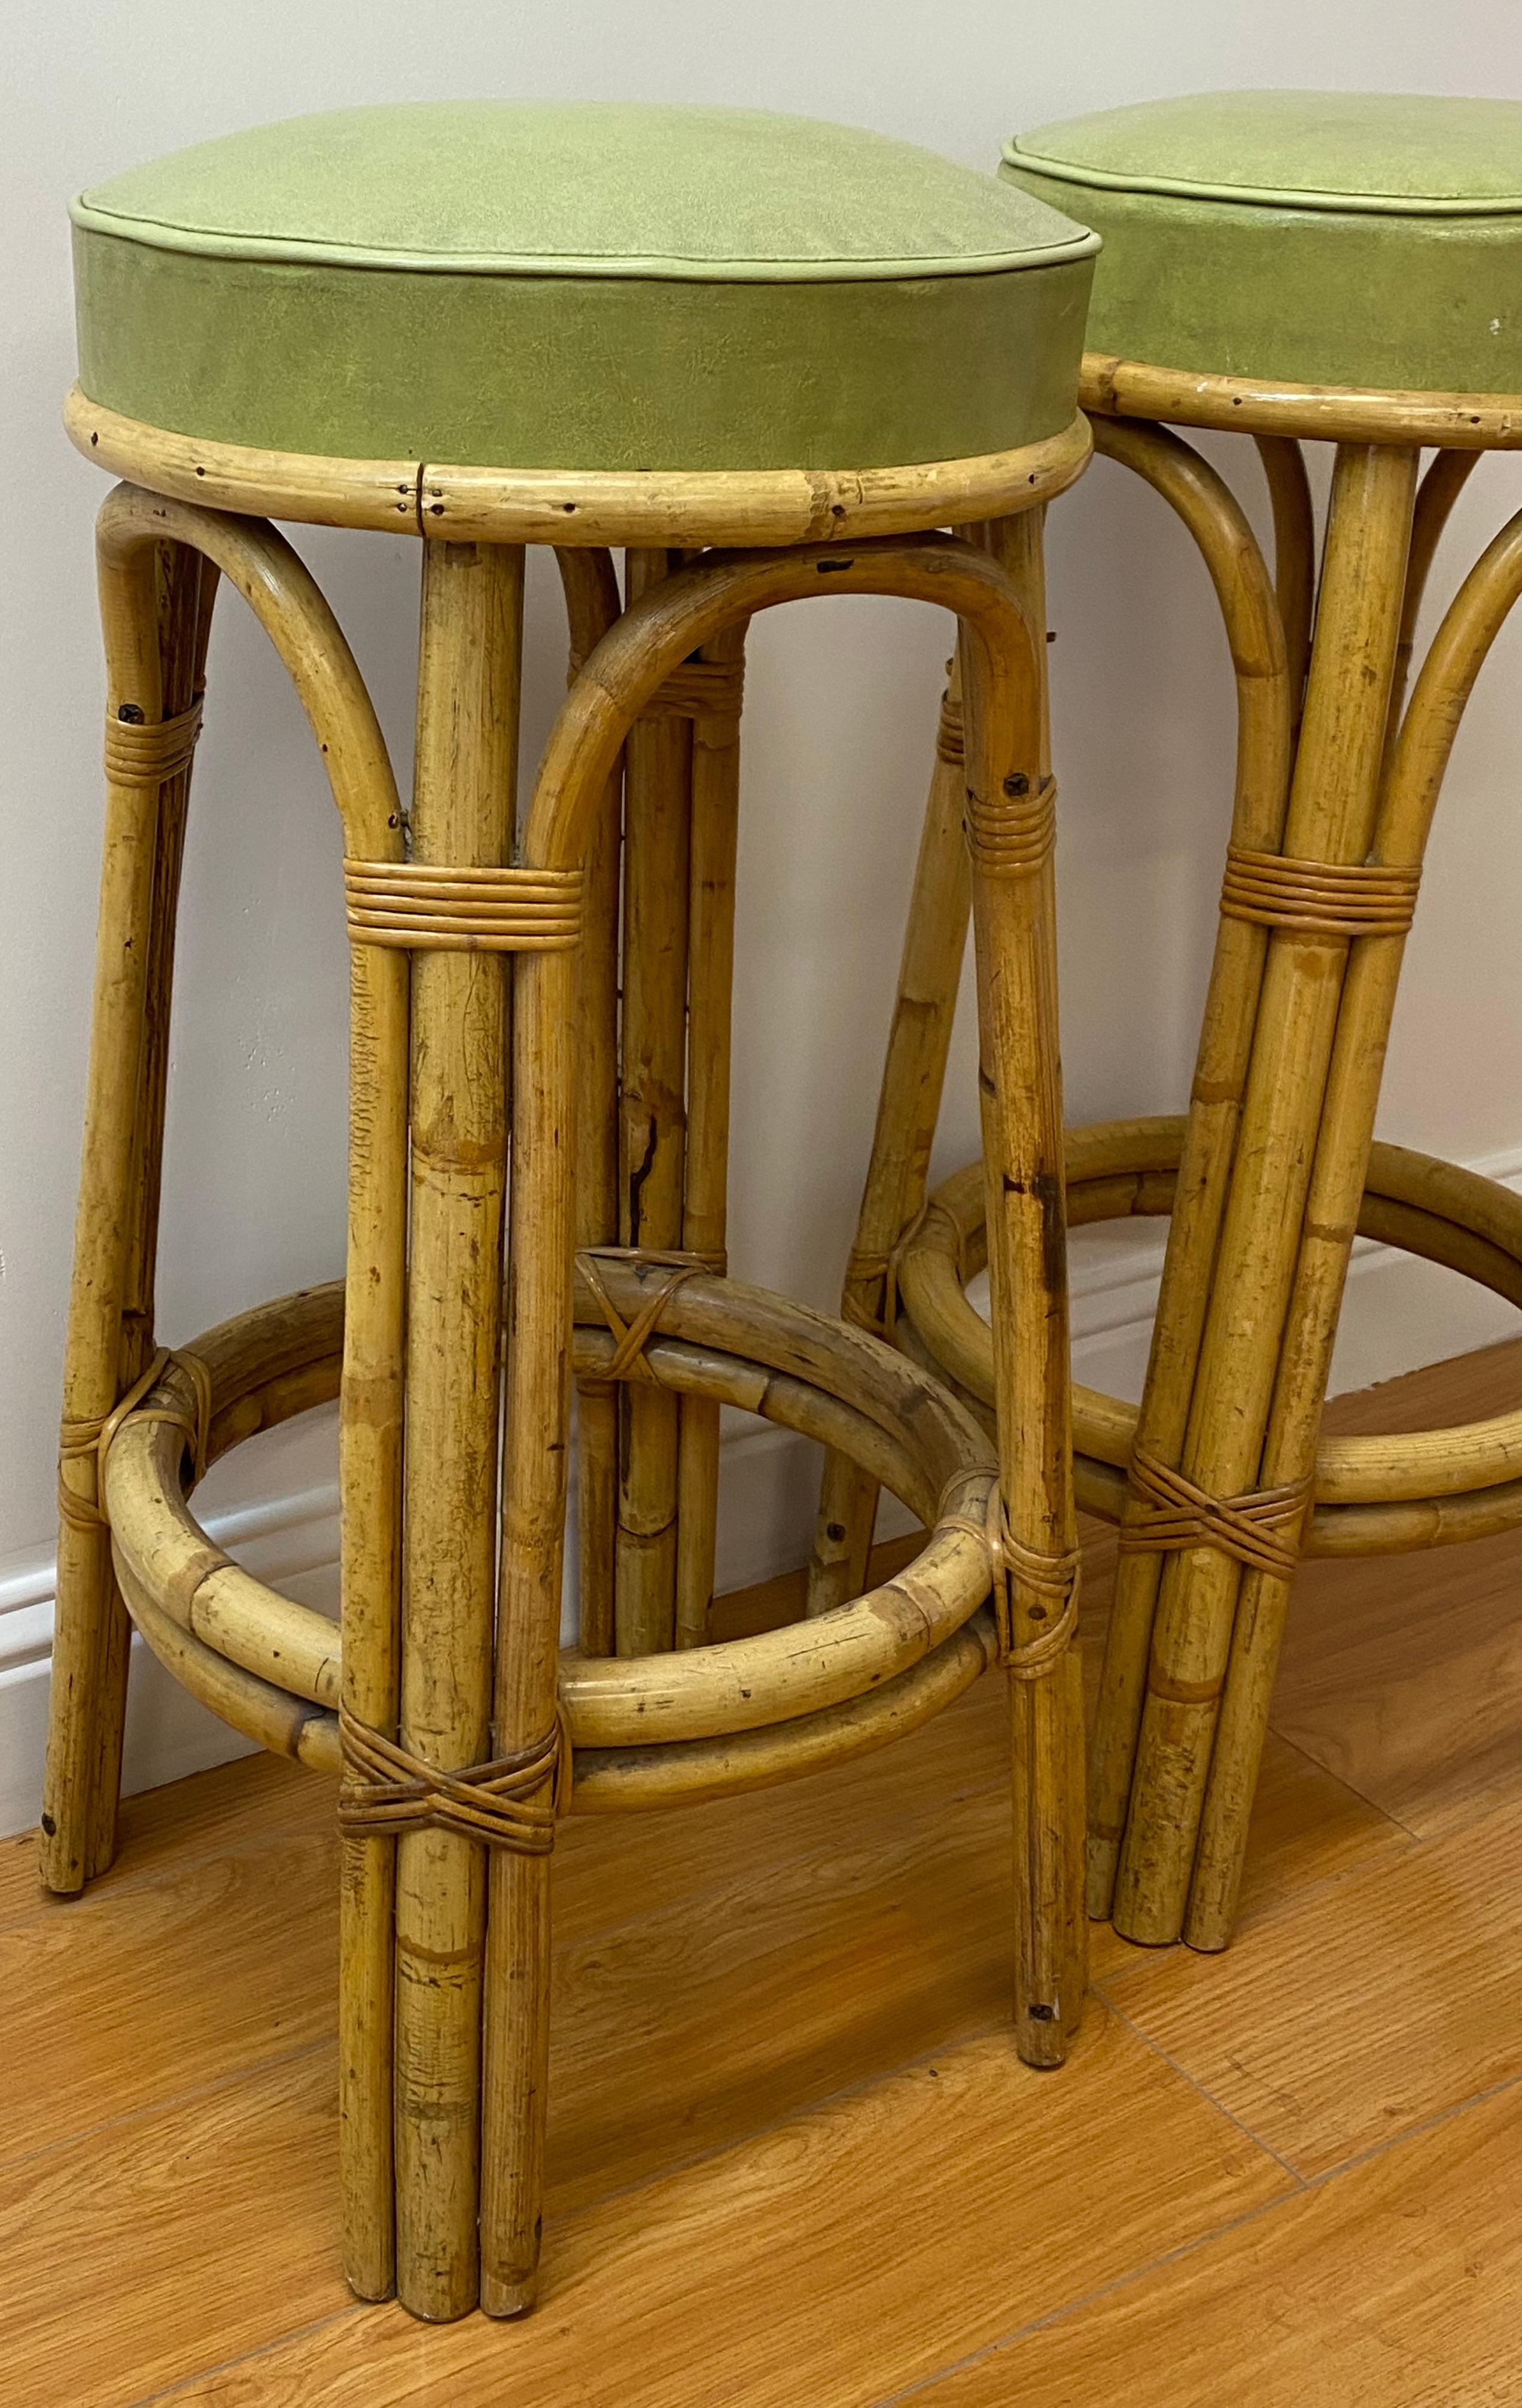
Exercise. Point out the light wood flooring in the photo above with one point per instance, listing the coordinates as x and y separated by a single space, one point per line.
794 2162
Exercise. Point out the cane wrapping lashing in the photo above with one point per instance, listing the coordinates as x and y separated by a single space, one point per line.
429 907
1013 1564
863 1269
512 1802
1259 1529
143 754
630 1338
1011 832
1318 899
82 1440
695 689
951 743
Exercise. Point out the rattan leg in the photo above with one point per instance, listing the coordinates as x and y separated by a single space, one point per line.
652 1130
156 616
462 815
715 836
539 1378
1010 831
592 605
908 1106
1330 819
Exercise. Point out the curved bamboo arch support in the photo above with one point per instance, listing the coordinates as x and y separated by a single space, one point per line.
1293 554
1002 666
289 605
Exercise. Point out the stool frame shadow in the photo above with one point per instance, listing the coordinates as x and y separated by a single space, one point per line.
447 1648
1274 1171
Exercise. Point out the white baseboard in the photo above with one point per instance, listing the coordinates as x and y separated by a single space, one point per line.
1399 1314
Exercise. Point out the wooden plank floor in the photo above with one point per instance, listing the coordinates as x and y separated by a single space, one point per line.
794 2162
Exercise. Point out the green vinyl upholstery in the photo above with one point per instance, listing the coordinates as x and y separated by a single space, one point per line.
527 284
1371 240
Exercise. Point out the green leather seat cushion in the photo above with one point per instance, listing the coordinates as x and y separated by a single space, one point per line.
579 285
1362 240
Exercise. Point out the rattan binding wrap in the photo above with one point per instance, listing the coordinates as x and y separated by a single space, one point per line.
1260 1528
78 1441
138 754
1012 834
1318 899
1011 1560
514 1802
630 1338
431 906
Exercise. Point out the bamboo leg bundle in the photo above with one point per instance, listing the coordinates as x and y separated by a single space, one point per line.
1416 760
592 605
1330 818
156 613
1264 687
1294 556
714 840
462 815
653 1128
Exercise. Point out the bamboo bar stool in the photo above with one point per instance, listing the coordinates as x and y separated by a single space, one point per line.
721 340
1288 265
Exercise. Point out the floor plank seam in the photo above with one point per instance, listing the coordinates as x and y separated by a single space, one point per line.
1300 2179
1305 2187
172 2101
307 2331
1342 1782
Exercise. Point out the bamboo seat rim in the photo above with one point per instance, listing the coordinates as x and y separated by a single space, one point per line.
457 502
1457 422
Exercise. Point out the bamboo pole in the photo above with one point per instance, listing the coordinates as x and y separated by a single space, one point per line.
1255 635
908 1108
154 634
652 1130
525 1701
1020 1090
1020 1087
463 815
593 604
1330 817
1344 1143
1294 556
710 974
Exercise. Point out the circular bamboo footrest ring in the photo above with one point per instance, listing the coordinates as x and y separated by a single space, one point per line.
705 1722
1373 1495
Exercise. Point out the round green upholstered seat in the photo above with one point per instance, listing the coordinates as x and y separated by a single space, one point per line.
1363 240
534 285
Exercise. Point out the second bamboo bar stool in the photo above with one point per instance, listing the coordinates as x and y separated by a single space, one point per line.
670 330
1344 268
